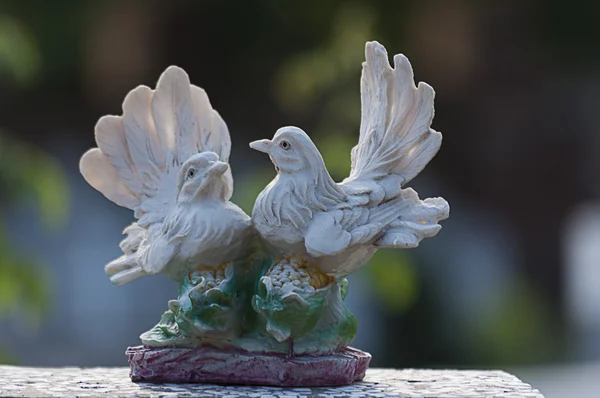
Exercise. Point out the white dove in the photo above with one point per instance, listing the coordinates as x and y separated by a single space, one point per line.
166 159
339 226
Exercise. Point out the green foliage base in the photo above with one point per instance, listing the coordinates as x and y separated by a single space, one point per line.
258 304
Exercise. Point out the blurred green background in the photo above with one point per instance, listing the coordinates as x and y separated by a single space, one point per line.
513 277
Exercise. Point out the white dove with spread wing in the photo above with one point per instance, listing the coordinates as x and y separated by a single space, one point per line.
166 159
339 226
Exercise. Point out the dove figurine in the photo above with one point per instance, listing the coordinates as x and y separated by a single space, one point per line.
166 159
339 226
265 288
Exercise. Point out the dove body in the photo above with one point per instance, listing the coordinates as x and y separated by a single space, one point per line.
204 233
203 229
338 226
303 190
304 212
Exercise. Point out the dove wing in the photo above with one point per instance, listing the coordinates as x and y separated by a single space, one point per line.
395 135
400 222
139 154
396 142
353 222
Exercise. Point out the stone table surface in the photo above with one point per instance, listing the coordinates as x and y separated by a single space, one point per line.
92 382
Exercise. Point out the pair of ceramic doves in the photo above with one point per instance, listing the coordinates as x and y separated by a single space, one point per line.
166 159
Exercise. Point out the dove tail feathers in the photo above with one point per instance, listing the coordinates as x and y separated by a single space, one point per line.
125 268
122 263
419 219
127 275
135 236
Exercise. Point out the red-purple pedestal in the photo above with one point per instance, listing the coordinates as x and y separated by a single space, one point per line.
210 365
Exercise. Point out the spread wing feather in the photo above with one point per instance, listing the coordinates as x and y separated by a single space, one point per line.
211 133
100 174
110 137
139 154
395 134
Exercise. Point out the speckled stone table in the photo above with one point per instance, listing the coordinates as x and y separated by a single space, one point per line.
88 382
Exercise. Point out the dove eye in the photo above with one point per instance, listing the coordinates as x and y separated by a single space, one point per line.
191 173
285 145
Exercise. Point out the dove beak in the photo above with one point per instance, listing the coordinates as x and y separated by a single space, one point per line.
219 168
261 145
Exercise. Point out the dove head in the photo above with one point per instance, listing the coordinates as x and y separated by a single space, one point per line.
292 151
203 176
299 165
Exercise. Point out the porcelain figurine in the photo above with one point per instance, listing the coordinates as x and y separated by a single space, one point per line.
261 299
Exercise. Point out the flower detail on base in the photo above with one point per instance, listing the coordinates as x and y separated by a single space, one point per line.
297 274
291 298
206 278
206 300
203 310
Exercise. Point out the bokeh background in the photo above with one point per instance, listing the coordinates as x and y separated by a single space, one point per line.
513 279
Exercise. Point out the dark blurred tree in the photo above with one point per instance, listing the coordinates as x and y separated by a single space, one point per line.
29 178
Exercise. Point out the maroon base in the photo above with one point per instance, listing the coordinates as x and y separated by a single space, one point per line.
210 365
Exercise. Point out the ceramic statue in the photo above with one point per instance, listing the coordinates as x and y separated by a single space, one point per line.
261 298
